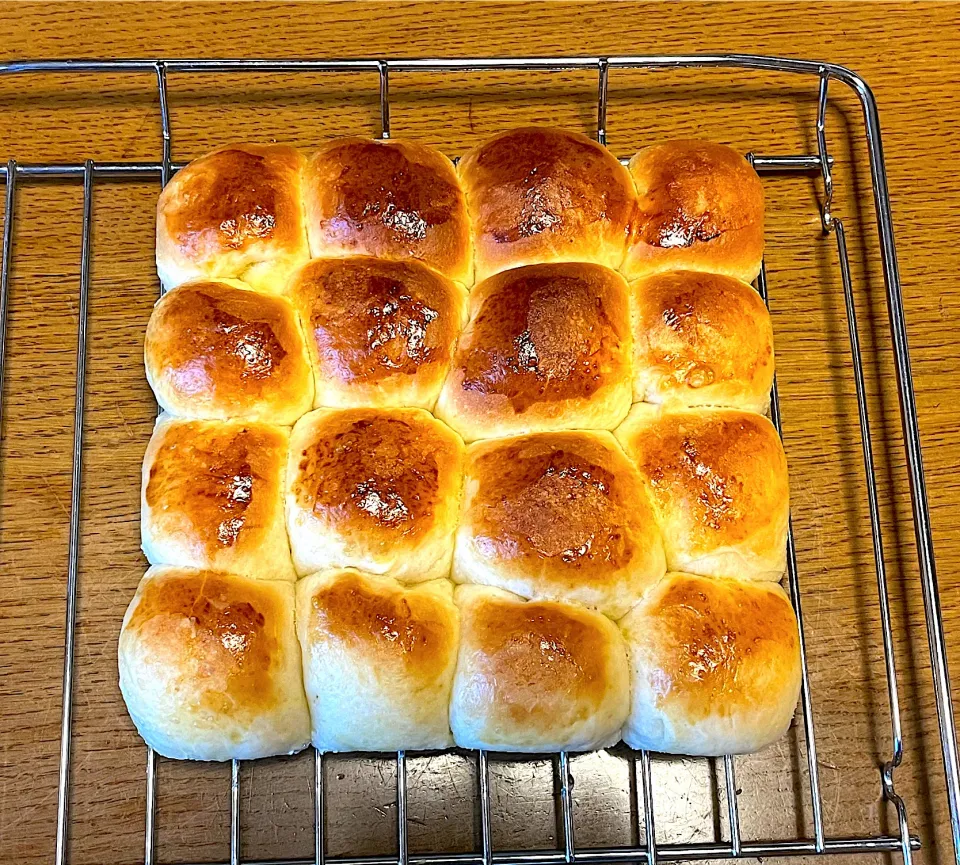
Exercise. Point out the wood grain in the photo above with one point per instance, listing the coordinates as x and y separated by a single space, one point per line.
906 51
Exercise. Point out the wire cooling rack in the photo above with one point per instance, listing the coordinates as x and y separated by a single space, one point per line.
648 850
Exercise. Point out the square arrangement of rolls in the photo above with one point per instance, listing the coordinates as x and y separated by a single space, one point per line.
466 454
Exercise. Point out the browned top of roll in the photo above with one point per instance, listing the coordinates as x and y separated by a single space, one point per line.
228 626
372 319
393 199
224 479
234 197
386 623
227 345
372 471
568 497
693 192
700 336
545 333
717 637
540 189
533 646
722 470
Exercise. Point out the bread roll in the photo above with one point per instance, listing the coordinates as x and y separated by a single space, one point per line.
378 490
378 661
538 194
236 213
210 666
547 347
718 480
562 516
714 666
701 208
701 339
380 333
392 199
216 350
536 676
212 497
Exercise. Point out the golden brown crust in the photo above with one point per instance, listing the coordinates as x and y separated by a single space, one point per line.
701 339
530 647
718 480
700 208
215 350
712 464
558 515
717 636
381 472
375 489
554 496
378 331
547 347
214 490
715 666
233 633
538 194
386 624
237 206
391 199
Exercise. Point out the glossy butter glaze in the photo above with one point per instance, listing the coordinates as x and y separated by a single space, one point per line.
235 198
701 339
543 194
380 471
217 486
370 320
393 199
224 626
406 626
545 333
213 349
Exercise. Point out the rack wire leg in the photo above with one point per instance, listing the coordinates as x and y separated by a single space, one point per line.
150 832
933 612
566 807
645 804
402 854
73 558
318 809
887 770
486 831
5 260
806 701
733 810
234 812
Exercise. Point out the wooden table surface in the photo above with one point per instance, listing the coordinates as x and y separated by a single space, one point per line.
908 54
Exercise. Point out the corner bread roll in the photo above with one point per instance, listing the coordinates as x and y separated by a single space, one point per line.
539 195
700 208
218 350
701 339
374 489
379 333
212 497
210 666
237 213
378 661
714 666
561 516
536 676
547 348
393 199
718 481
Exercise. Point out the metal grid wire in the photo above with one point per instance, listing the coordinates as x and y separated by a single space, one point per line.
649 850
